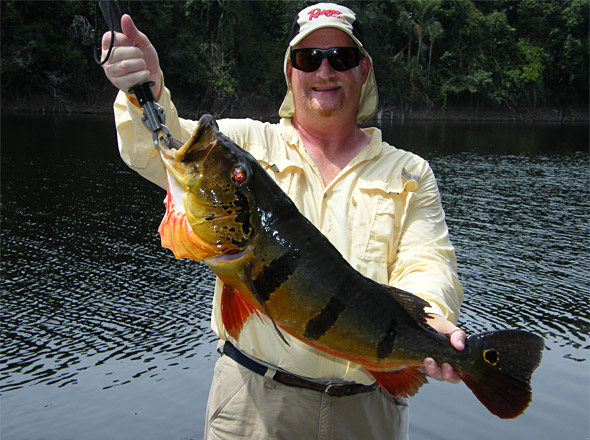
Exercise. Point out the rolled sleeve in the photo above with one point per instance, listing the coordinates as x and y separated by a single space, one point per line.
136 145
426 263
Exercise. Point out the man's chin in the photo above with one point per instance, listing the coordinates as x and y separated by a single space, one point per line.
325 111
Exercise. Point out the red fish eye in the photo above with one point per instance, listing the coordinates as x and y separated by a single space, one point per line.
239 175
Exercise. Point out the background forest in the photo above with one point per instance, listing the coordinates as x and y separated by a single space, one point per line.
432 57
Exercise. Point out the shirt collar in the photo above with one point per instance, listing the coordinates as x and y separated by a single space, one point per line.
372 150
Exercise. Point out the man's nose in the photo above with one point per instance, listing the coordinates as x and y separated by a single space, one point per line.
326 69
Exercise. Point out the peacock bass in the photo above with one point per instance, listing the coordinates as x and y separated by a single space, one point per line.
224 209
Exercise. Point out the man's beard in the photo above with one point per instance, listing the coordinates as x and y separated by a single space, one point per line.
323 111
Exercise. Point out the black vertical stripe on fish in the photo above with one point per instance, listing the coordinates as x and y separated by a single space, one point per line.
387 342
243 213
248 273
275 273
323 321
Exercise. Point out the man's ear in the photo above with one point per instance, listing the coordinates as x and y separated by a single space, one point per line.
365 68
289 70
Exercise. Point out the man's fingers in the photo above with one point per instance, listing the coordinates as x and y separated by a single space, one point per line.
123 53
106 40
432 369
132 79
457 338
448 373
444 372
126 67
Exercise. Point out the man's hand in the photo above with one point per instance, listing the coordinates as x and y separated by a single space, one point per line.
457 338
133 59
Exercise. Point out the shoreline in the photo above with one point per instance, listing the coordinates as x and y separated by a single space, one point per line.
390 115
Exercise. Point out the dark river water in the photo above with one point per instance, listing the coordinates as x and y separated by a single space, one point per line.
106 336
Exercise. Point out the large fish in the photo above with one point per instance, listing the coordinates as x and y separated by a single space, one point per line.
224 209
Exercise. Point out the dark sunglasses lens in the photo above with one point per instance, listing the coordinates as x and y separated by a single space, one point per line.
344 58
307 60
340 58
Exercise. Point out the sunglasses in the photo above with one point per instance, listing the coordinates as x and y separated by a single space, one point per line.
340 58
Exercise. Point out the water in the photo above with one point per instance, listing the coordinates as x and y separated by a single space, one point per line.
106 335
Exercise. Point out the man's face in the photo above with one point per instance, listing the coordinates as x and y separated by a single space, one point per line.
327 92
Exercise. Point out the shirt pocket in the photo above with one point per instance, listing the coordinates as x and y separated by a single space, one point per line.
380 212
286 173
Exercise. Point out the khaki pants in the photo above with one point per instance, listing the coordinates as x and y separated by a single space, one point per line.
245 405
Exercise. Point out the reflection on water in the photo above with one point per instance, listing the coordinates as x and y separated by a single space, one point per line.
90 301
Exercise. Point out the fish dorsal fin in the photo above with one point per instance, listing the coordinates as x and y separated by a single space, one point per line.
250 282
412 304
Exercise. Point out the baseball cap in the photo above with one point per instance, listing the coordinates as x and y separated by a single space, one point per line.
330 15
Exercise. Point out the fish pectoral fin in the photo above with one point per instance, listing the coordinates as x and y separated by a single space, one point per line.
402 383
250 282
235 310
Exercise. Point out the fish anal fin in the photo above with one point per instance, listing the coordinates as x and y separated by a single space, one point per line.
235 310
403 383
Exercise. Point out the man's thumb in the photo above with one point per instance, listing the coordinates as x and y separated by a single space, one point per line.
130 30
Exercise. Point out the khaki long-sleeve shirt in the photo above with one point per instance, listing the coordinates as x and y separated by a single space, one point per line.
382 212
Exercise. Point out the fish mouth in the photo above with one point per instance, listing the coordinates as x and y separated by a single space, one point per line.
229 256
190 151
197 148
232 255
212 217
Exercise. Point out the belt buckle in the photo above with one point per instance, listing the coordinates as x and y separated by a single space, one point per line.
332 389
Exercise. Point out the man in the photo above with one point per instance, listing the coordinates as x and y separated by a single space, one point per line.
378 205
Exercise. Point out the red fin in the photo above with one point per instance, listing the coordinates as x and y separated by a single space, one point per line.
503 395
234 310
403 383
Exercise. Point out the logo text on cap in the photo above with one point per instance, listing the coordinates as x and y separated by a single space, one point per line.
316 13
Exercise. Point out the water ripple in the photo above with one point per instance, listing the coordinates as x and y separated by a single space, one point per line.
85 282
520 227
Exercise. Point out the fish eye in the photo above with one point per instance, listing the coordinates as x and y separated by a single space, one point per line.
239 174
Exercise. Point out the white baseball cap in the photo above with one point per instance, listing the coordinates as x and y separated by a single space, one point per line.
330 15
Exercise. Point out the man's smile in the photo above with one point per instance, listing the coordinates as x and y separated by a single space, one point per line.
325 88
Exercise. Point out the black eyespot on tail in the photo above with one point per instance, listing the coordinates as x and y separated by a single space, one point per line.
491 356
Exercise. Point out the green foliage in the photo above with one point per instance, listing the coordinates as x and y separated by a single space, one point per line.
226 57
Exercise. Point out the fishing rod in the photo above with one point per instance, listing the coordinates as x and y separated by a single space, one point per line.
153 113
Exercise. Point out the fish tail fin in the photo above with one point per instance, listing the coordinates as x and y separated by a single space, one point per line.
500 376
404 382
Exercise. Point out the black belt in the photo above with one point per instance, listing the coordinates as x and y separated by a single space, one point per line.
335 390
